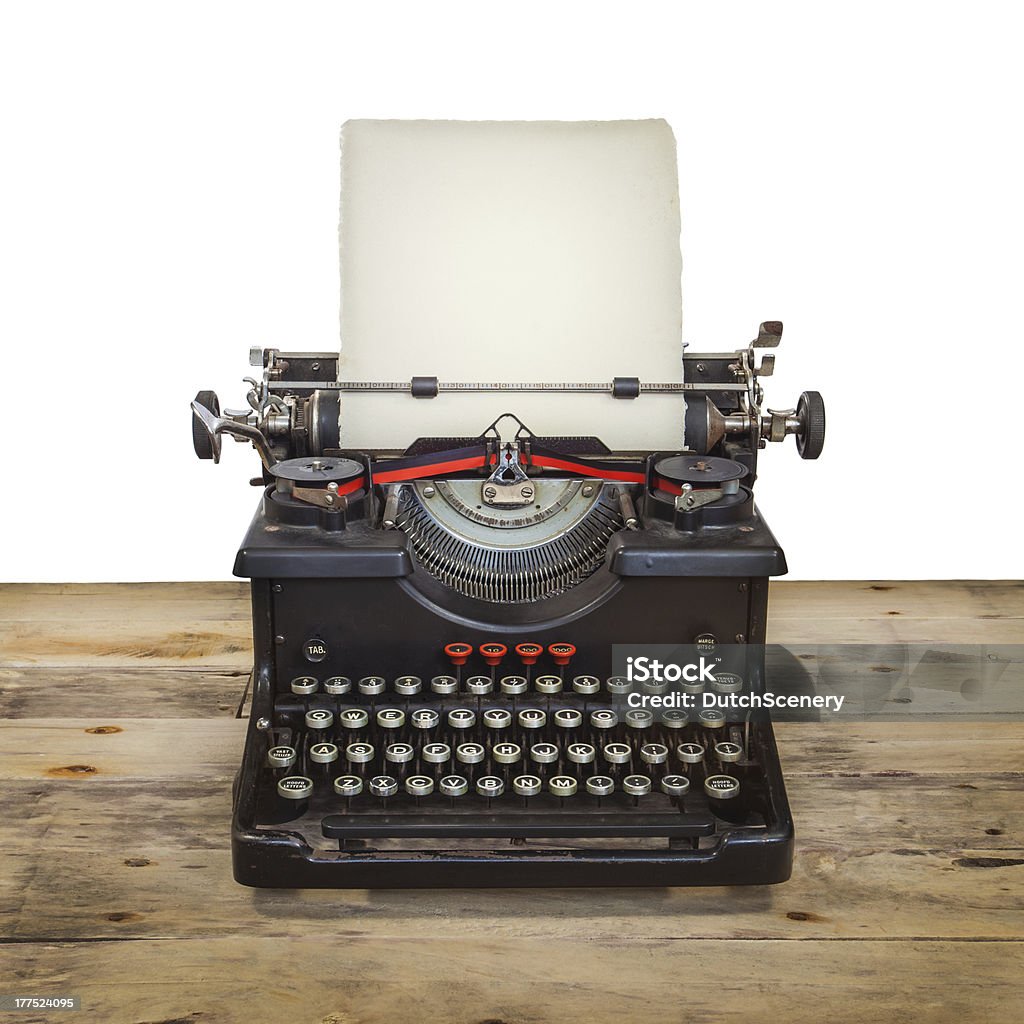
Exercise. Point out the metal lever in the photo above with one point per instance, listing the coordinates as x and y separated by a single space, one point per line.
217 425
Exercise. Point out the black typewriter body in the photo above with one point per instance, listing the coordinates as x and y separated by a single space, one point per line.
434 699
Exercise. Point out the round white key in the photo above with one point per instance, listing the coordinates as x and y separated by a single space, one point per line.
727 682
568 718
323 753
337 685
407 686
514 685
581 753
425 718
654 753
281 757
675 719
690 753
454 785
721 787
712 718
600 785
359 753
304 685
527 785
390 718
348 785
383 785
479 685
470 753
604 719
295 787
319 718
654 686
728 752
532 718
497 718
618 684
371 685
490 785
639 719
419 785
444 684
437 753
548 684
636 785
544 753
507 753
675 785
562 785
617 753
354 718
461 718
587 685
399 753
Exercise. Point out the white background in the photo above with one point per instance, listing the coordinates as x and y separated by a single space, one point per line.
169 196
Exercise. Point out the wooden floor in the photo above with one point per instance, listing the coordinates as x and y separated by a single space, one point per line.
120 738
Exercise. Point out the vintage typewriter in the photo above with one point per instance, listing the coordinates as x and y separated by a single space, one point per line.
434 697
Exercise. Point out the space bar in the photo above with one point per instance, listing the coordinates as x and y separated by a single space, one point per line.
518 826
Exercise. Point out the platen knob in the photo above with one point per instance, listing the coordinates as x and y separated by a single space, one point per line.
810 411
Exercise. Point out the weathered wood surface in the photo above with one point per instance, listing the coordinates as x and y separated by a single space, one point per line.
119 742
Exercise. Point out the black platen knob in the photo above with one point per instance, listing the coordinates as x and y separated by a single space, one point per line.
200 435
810 411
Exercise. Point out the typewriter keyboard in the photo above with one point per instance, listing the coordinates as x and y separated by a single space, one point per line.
514 757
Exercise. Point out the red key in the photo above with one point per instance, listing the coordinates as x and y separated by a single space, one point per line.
458 653
493 653
529 653
562 653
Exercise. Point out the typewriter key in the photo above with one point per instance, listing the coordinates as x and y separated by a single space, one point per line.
529 653
514 685
425 718
675 719
548 684
691 688
281 757
492 653
654 753
295 787
581 753
399 753
507 753
461 719
675 785
348 785
618 685
419 785
690 753
727 682
639 719
390 718
444 684
382 785
561 653
721 787
652 686
437 753
454 785
458 653
604 719
407 686
490 786
728 752
532 718
711 719
470 753
337 685
354 719
371 685
600 785
527 785
568 718
544 753
587 685
479 686
304 685
359 753
323 753
636 785
562 786
497 718
617 753
319 719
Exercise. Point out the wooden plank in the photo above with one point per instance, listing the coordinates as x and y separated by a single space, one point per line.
331 979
